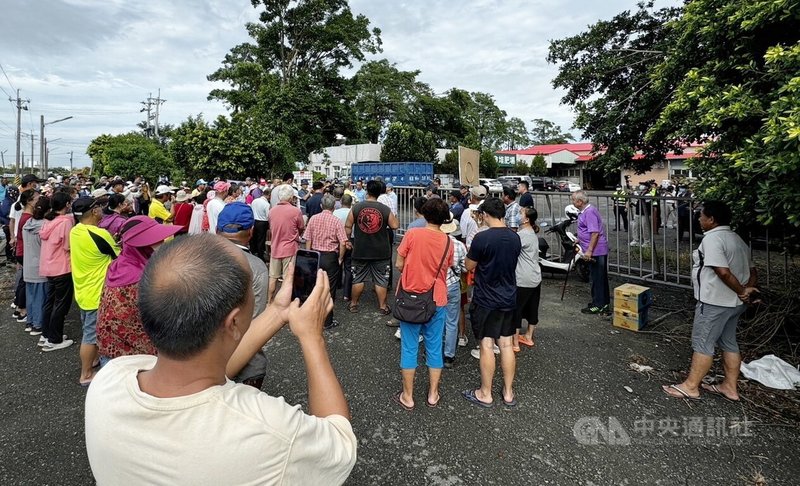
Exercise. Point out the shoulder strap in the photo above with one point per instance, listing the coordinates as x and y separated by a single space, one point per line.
441 262
102 245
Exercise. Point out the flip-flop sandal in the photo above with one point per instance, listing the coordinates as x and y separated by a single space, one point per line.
679 390
469 395
714 390
433 404
353 308
511 404
396 398
525 341
385 311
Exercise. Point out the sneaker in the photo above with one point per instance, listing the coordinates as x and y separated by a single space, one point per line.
52 347
476 352
448 362
42 341
15 314
28 328
397 333
634 243
593 309
23 319
334 323
13 305
462 341
36 331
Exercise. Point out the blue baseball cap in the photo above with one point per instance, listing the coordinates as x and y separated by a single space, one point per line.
235 217
200 182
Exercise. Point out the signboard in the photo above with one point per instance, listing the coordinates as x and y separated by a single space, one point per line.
468 166
300 175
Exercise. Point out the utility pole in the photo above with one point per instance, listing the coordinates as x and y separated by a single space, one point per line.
20 106
40 155
3 160
159 101
41 145
148 103
70 162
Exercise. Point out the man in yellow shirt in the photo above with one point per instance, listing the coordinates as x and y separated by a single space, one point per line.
158 211
92 250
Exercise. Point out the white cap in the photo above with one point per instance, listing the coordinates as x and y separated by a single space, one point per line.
162 189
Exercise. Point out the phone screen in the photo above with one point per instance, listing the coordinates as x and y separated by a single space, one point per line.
305 274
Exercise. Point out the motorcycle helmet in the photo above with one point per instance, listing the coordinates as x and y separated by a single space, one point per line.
571 212
12 192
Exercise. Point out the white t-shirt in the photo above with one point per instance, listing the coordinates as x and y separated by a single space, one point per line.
260 207
723 248
274 201
214 207
226 434
529 273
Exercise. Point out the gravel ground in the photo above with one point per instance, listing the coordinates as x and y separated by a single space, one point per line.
575 424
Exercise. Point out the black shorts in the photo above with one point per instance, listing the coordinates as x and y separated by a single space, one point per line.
491 323
527 305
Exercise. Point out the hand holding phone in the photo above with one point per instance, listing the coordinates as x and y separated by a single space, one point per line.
306 265
307 320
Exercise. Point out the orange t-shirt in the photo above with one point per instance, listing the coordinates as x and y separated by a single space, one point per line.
422 249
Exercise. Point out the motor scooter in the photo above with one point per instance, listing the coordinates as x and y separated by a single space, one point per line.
571 253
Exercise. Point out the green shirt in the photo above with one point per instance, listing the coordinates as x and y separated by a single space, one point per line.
89 264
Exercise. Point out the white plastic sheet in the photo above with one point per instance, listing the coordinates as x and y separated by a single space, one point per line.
772 371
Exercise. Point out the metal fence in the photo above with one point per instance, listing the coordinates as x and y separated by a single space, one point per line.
662 232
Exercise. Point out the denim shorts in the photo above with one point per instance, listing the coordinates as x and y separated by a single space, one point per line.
89 320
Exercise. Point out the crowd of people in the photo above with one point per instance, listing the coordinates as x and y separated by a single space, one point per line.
175 357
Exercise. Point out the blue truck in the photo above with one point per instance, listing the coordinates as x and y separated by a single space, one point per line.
398 173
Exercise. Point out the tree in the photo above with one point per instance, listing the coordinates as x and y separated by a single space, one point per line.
722 73
130 155
607 74
289 77
405 143
521 168
538 165
383 94
487 164
516 134
486 122
545 132
450 164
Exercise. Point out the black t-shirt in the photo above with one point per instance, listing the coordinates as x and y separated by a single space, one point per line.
496 250
526 200
371 232
314 204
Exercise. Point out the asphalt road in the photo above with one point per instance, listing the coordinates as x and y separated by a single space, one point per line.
575 423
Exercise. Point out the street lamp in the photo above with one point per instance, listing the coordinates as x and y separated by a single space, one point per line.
42 142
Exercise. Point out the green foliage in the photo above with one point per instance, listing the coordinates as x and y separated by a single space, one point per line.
450 164
405 143
128 156
723 73
488 165
538 165
516 136
383 94
545 132
318 176
521 168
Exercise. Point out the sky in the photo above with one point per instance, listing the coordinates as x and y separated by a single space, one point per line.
97 61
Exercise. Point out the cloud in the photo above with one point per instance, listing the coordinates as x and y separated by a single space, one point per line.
97 60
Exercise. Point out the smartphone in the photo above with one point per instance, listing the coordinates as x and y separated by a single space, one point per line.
306 265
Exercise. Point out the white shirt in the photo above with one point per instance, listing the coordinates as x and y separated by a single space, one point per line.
214 207
389 200
469 228
225 434
273 201
723 248
260 207
529 273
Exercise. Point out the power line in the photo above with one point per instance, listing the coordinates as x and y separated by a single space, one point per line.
9 81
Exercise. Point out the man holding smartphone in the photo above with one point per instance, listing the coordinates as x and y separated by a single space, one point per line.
143 410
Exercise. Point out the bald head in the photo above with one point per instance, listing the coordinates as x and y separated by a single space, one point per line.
187 289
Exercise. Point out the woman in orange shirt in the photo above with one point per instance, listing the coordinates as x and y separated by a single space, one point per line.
419 258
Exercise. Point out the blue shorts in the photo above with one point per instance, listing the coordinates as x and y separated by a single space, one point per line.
89 320
432 333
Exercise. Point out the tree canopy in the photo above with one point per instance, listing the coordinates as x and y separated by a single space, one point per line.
723 73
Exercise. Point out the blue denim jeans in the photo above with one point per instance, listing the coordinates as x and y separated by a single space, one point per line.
451 319
432 337
36 295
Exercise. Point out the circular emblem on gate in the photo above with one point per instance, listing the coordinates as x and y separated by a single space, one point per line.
370 220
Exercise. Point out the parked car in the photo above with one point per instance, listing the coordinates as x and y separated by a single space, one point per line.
491 185
567 186
512 181
542 184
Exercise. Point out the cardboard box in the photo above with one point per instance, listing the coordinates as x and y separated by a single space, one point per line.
632 297
632 321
